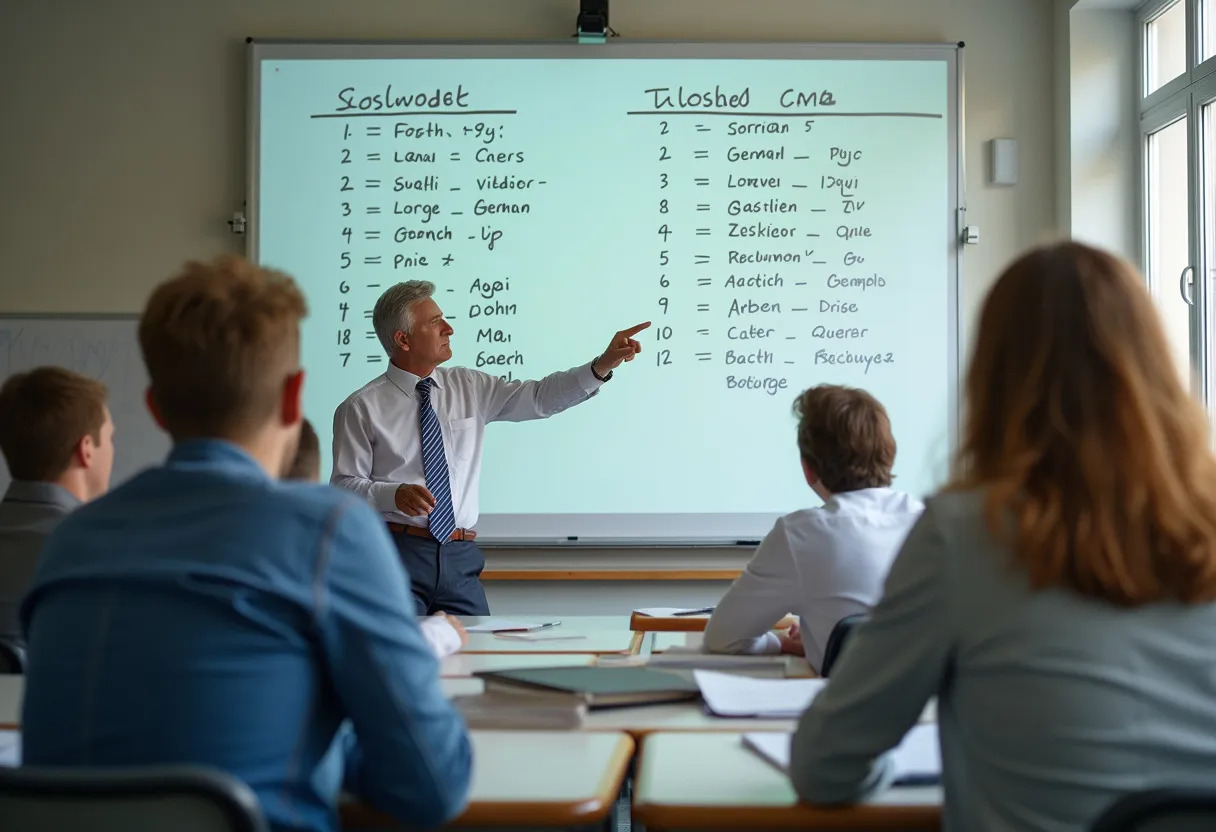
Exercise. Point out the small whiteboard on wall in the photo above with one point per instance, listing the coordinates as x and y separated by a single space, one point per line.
101 347
785 214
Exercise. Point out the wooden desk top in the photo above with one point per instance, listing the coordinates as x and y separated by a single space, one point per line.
12 689
593 634
710 781
532 779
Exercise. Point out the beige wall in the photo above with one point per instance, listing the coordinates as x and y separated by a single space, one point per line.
1104 133
123 147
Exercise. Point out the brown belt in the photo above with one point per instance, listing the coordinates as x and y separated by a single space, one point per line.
418 531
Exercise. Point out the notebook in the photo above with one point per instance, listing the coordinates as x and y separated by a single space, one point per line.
917 759
596 687
731 695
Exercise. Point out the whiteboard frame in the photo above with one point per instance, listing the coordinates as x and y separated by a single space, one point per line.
718 529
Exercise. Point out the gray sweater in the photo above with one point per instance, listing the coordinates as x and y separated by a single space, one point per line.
28 514
1050 704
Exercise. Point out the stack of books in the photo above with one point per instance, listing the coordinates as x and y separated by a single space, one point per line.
559 697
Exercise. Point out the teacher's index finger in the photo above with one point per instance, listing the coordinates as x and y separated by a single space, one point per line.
633 330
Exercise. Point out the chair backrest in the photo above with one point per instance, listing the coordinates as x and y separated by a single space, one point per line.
1160 810
12 657
837 639
180 798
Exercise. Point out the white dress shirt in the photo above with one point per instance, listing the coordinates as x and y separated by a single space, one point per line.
377 445
821 564
441 635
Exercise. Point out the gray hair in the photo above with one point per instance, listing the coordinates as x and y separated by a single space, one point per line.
392 313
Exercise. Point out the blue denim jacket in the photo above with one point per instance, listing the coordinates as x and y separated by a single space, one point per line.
205 613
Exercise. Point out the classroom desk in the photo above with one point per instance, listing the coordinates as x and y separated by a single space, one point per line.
466 664
595 634
710 781
12 688
532 779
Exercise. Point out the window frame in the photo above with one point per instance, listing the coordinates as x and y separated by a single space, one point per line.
1184 96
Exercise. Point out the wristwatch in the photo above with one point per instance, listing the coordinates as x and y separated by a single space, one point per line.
599 377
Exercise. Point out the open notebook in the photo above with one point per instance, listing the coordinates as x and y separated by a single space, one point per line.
917 759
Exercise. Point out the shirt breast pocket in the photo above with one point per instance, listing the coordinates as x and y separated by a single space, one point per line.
464 438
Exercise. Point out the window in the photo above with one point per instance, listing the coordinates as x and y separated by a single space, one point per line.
1169 249
1178 125
1165 46
1207 229
1207 18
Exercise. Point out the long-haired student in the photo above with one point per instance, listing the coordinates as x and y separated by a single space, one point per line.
1057 596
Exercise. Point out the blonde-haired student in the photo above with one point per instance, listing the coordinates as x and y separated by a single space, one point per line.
229 619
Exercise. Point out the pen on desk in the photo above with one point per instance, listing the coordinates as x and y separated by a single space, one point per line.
701 611
544 626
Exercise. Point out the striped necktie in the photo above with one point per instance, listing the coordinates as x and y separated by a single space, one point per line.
442 521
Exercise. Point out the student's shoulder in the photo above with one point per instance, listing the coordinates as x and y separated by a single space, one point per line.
956 507
900 502
319 503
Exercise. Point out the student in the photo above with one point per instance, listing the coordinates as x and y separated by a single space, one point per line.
306 464
206 613
58 441
443 632
1057 596
829 562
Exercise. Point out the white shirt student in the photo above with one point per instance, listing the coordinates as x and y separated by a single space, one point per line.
829 562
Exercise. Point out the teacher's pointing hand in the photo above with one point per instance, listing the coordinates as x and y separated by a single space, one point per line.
621 348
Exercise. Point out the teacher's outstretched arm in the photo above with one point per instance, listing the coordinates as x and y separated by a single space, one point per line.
519 401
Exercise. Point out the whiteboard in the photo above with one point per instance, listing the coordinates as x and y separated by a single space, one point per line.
785 214
104 348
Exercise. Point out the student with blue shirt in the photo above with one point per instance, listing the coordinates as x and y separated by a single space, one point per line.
206 613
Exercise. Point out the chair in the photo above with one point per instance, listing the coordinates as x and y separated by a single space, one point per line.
840 634
1160 810
180 798
12 657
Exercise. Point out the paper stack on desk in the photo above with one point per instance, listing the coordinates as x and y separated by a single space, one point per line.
730 695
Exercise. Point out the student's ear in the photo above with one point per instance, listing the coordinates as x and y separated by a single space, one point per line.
291 409
85 449
812 476
150 403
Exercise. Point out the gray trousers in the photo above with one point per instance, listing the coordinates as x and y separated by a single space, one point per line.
444 577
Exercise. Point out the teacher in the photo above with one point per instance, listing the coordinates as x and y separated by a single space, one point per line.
410 440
